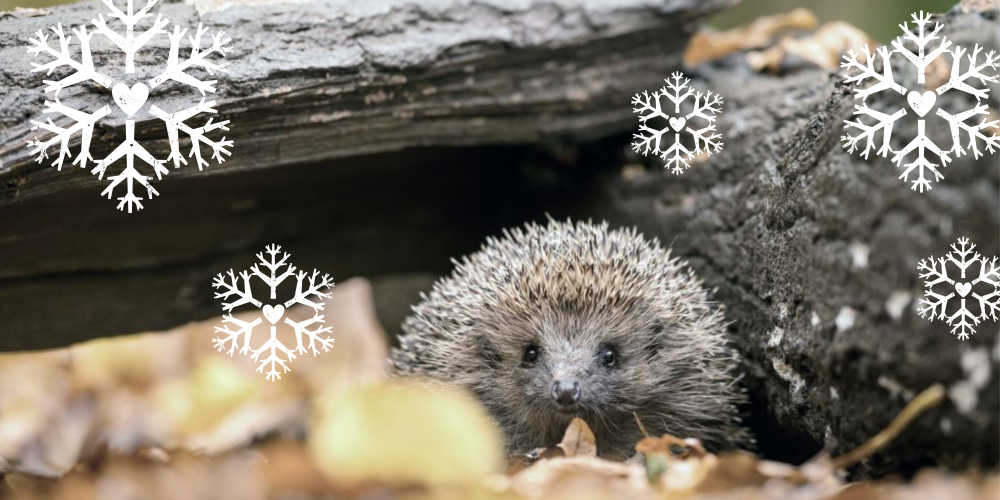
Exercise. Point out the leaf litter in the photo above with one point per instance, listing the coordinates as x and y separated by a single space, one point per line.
164 416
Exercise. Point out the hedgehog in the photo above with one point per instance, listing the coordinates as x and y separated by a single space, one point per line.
564 320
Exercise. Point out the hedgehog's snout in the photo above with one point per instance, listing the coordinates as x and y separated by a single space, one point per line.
565 393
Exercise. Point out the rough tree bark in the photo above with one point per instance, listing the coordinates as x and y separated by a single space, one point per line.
814 253
330 79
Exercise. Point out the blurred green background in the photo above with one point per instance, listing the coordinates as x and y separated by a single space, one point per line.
876 17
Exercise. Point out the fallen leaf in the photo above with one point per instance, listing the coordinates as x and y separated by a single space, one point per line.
823 48
582 476
579 441
674 464
404 432
733 470
672 446
967 6
709 45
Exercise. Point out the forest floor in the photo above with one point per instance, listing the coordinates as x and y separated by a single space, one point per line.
164 415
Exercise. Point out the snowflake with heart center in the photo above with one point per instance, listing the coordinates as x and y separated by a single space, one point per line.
310 289
983 287
697 121
131 100
921 103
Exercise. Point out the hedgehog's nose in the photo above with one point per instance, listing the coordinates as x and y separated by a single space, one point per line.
566 392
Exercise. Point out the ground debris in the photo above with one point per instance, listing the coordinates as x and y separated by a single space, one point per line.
821 48
163 416
779 43
710 44
171 390
579 440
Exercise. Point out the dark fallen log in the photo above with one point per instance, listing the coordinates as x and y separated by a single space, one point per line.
814 253
307 83
321 80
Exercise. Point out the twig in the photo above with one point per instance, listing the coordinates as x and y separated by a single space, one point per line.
642 428
929 398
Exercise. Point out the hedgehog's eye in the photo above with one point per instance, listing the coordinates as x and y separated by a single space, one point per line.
531 354
608 356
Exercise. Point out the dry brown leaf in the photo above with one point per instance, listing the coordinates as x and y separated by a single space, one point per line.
579 473
967 6
133 361
672 446
291 468
823 48
45 425
937 73
581 476
709 45
733 470
173 390
361 348
579 441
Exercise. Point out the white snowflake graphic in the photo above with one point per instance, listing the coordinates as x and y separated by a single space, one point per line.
131 100
309 290
921 103
935 272
649 138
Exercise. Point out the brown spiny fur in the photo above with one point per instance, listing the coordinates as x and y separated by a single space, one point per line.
574 291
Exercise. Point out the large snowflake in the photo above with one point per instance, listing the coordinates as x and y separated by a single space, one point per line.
922 103
651 136
935 272
309 291
131 100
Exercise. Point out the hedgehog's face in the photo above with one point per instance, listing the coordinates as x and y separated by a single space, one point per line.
578 364
567 378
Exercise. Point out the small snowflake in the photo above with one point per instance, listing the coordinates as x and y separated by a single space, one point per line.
935 272
309 290
650 138
131 100
922 103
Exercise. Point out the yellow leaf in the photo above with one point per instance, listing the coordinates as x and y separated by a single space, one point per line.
405 433
579 441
